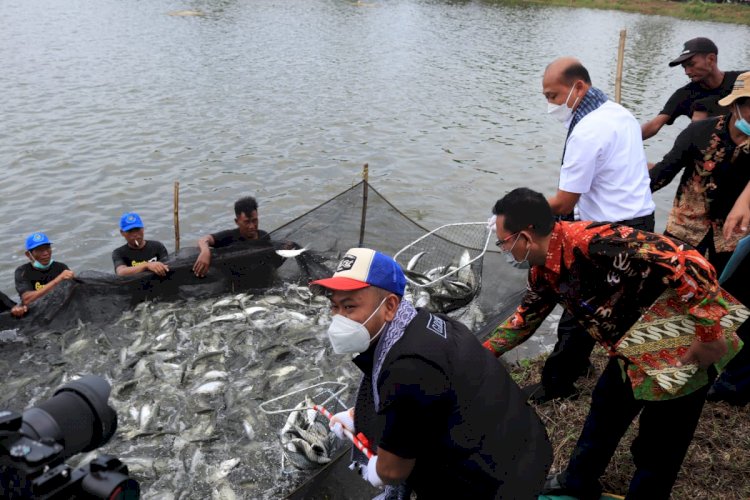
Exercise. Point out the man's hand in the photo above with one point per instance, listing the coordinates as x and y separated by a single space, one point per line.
738 220
19 310
704 354
65 275
340 421
202 263
158 268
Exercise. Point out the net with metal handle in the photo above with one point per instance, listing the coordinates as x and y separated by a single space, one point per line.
443 268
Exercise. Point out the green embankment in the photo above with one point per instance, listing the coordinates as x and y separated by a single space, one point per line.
738 13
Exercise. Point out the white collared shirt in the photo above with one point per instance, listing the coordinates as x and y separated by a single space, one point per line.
605 163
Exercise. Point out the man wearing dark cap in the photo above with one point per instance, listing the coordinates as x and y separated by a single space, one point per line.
42 273
442 415
699 98
138 255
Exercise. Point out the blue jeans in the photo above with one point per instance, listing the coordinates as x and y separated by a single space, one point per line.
666 429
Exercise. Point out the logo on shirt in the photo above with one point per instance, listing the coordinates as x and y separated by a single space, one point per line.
437 325
346 263
38 286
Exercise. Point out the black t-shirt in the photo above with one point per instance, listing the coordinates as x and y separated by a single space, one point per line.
694 97
6 304
152 251
448 403
230 236
31 279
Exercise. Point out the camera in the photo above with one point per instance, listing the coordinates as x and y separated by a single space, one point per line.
35 445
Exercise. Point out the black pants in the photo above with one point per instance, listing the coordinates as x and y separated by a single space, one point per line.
665 432
570 357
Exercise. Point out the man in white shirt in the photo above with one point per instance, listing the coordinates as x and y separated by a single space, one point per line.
603 178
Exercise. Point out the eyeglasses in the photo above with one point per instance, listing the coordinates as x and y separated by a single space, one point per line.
500 243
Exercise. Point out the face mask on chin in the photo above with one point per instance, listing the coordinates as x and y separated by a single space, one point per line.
350 337
740 123
42 267
518 264
561 112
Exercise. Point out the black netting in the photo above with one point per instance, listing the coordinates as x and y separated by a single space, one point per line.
326 232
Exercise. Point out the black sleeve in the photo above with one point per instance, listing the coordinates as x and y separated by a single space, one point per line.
679 156
161 251
413 395
117 258
677 105
224 238
6 304
22 284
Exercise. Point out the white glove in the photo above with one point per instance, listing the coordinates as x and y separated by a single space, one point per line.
370 474
342 420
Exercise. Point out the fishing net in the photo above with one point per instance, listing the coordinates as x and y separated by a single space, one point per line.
191 358
444 267
359 216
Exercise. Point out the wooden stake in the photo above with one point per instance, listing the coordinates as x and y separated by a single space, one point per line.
620 56
176 216
365 183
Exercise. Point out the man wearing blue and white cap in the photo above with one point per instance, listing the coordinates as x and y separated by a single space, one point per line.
138 255
42 273
441 414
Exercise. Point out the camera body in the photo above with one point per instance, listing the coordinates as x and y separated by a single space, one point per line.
34 446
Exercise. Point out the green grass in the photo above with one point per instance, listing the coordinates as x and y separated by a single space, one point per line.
693 10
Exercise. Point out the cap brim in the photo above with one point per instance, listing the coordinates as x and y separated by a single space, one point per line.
128 228
29 249
339 283
728 100
681 59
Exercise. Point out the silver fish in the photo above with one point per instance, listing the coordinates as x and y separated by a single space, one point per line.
290 253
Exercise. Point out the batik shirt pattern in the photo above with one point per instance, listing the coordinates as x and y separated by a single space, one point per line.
716 170
607 275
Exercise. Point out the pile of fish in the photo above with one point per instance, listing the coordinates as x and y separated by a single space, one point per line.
188 379
443 287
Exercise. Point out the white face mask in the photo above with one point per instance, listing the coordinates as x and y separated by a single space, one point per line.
350 337
518 264
561 112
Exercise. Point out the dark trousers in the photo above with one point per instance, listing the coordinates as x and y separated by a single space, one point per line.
570 357
665 432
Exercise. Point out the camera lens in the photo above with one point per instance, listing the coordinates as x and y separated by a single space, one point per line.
111 485
77 416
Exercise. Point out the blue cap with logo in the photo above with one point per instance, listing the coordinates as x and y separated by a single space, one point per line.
36 240
130 220
362 267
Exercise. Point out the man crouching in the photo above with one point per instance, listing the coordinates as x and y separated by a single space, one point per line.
443 416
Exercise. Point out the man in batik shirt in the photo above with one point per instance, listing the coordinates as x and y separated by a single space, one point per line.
714 155
607 275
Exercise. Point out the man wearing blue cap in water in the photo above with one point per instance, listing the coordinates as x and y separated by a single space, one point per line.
42 273
442 415
138 255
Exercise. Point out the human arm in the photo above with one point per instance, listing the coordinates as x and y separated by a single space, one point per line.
16 310
739 217
203 262
158 268
415 397
30 296
681 154
563 202
652 127
536 305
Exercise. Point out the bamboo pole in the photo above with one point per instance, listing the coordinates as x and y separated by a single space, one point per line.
620 56
176 215
366 179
